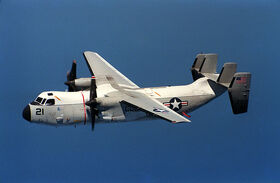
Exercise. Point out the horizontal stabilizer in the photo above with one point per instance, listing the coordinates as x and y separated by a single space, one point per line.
239 92
227 73
238 84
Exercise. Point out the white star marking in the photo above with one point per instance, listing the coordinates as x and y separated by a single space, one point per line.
175 104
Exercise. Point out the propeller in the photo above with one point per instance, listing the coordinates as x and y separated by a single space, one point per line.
71 76
92 103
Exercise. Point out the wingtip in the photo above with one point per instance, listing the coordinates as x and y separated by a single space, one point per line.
184 121
89 52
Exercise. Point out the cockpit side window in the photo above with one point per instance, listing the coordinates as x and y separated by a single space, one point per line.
39 99
50 102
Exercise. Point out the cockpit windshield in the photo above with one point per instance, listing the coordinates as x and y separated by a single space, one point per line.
39 99
42 101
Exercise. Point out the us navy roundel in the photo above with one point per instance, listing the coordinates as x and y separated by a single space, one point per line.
175 104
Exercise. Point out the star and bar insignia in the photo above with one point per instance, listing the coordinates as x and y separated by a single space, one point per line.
175 104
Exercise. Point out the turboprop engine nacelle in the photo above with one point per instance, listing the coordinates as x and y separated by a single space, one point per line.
80 83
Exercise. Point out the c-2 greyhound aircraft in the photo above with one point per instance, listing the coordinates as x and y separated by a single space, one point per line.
108 96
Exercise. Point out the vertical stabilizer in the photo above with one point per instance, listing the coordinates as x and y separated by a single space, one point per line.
238 91
227 74
209 63
204 64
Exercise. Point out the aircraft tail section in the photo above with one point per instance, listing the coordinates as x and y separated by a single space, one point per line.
239 92
238 84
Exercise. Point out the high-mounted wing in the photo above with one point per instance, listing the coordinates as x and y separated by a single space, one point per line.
106 73
101 69
146 103
153 106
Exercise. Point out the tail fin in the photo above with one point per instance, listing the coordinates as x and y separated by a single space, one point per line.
226 74
204 64
238 91
238 84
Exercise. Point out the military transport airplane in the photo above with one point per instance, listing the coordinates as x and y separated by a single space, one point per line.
108 96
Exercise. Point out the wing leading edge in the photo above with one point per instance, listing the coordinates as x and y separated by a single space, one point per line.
101 69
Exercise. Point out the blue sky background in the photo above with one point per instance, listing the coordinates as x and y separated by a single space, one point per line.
153 43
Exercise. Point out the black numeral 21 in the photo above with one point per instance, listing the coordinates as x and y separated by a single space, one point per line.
39 111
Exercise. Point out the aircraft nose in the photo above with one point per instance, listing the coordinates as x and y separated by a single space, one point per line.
26 113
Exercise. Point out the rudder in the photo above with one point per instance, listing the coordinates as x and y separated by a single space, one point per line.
238 91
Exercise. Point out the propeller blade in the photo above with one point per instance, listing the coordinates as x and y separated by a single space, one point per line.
68 75
92 103
93 87
93 113
71 76
73 72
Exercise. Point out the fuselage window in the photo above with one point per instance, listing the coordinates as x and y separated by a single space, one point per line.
43 101
50 94
50 102
38 99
